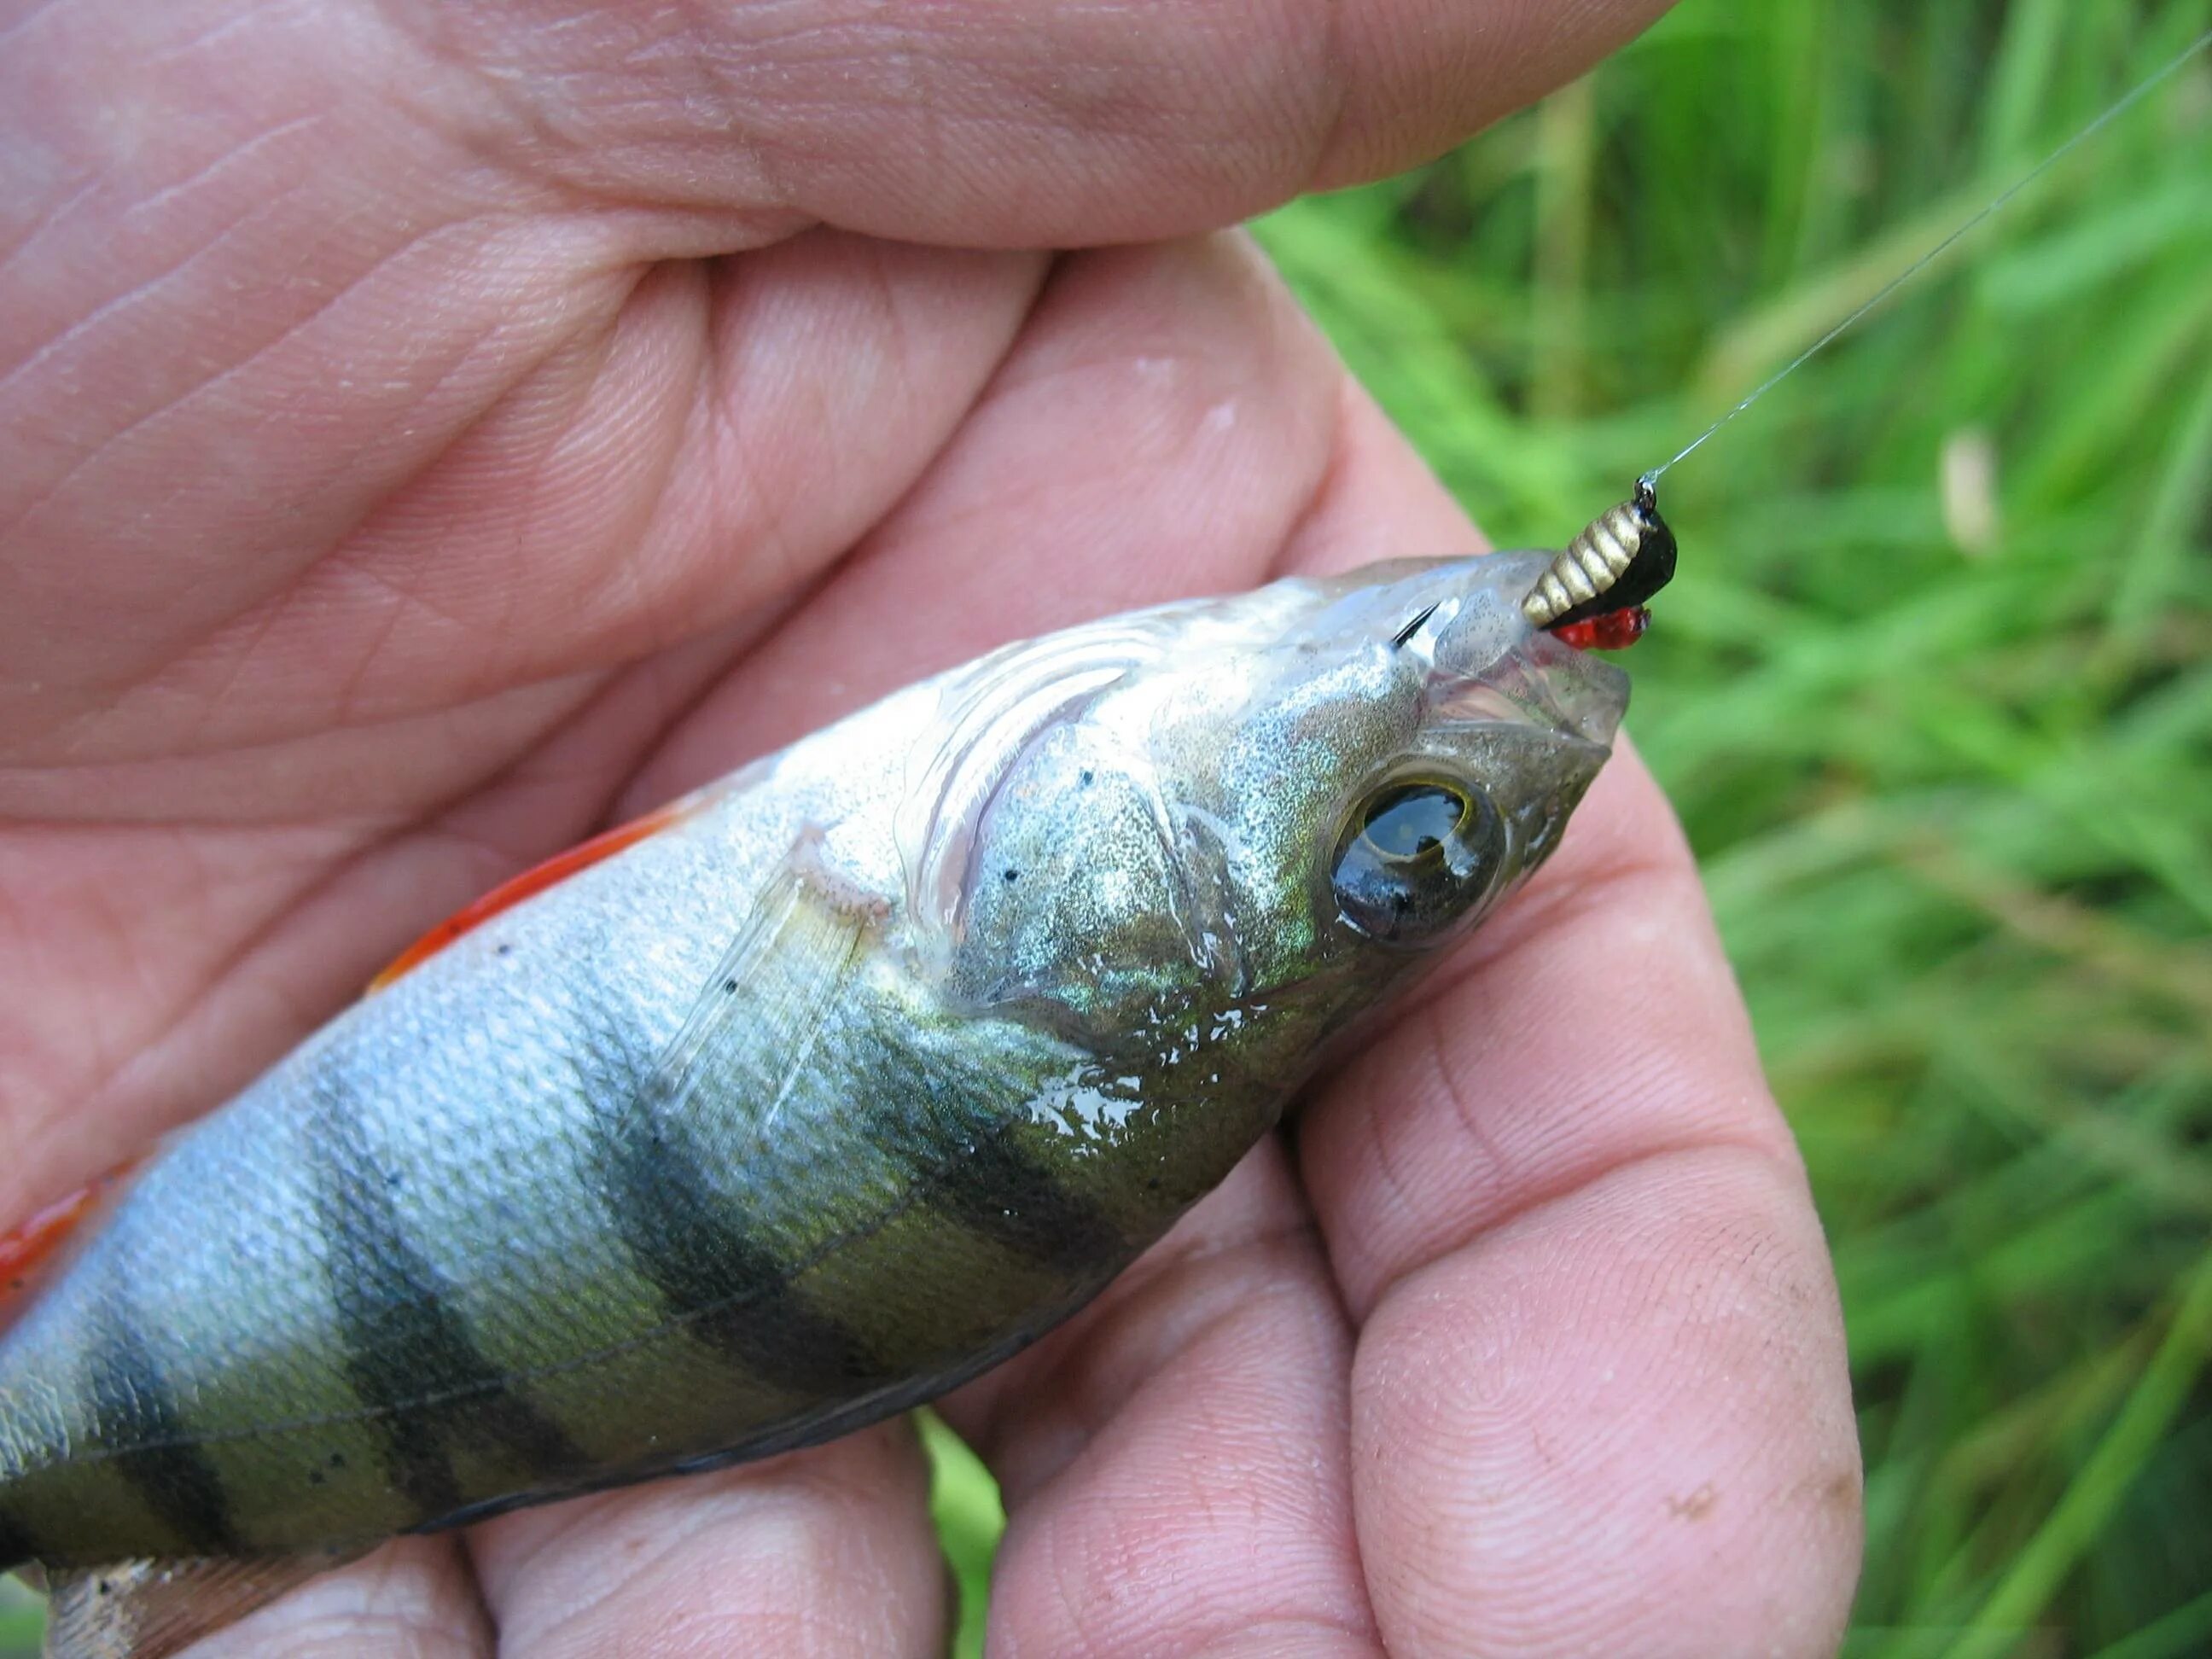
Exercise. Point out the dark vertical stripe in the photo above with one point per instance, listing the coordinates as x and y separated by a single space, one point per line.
692 1243
997 1190
403 1340
136 1408
966 1137
18 1543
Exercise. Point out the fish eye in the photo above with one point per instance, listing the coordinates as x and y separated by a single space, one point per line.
1416 855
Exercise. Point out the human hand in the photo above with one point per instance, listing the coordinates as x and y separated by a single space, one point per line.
435 431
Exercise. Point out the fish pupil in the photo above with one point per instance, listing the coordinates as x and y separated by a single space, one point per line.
1413 820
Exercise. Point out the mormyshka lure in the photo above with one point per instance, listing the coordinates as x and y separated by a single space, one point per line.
1592 593
815 1094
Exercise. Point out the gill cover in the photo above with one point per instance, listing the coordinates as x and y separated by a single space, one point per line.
1319 769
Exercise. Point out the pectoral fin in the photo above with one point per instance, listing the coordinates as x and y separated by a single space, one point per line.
769 994
148 1609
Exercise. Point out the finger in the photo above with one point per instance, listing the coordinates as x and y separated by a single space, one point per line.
1377 501
413 1599
1157 428
826 1551
1600 1401
987 124
1013 124
1173 1463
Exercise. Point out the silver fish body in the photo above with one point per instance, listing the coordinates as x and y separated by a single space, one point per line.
883 1056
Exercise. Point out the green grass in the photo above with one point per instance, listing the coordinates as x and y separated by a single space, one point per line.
22 1620
1949 770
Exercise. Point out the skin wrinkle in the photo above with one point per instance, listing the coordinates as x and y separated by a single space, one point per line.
114 926
737 149
834 1516
238 155
1492 1179
742 459
124 921
241 21
349 707
626 570
404 1601
1651 1250
361 569
49 218
662 773
670 415
1198 1614
664 1544
1236 1274
258 623
594 340
958 496
751 94
734 453
1329 52
177 403
1479 1221
732 478
43 1127
147 674
144 291
487 119
151 281
113 790
34 15
1304 1634
522 372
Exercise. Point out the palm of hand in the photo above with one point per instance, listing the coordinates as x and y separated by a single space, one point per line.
430 447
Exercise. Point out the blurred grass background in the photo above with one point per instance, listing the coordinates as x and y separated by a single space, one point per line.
1933 694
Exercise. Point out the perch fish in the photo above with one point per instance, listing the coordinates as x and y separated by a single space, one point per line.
817 1093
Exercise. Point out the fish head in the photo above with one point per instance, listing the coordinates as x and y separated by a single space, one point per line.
1304 791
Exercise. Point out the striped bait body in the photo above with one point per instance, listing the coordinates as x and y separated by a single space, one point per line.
868 1065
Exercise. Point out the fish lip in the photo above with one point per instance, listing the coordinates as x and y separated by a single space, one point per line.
1547 690
1481 652
1585 696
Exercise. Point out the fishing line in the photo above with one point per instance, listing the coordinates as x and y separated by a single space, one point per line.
1592 592
2112 114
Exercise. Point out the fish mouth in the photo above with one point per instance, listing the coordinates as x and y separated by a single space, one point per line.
1583 694
1489 663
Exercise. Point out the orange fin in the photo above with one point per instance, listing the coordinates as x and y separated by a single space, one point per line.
26 1248
531 882
149 1609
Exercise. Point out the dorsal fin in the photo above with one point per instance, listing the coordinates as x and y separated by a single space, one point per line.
149 1609
534 881
28 1247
